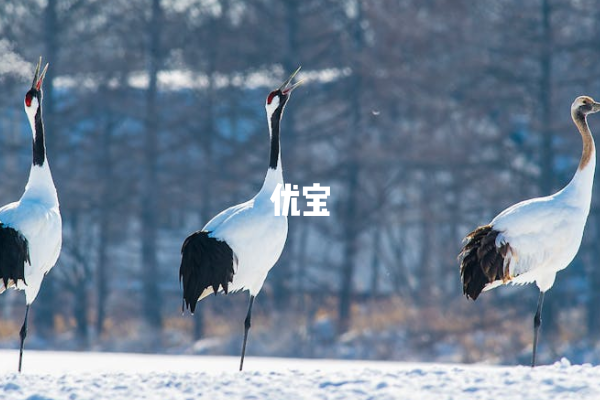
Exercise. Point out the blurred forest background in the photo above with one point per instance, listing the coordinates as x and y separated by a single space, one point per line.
426 118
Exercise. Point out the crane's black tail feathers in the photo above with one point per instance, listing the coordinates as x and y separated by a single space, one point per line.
14 253
481 261
205 262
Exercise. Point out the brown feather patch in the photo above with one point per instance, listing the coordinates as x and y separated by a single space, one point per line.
481 262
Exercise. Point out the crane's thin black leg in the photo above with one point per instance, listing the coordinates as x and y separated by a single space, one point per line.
23 334
537 321
247 325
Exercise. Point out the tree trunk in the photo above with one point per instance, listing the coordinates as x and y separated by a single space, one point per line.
282 274
428 287
80 308
105 165
150 190
375 263
102 276
45 308
551 306
349 216
79 281
350 239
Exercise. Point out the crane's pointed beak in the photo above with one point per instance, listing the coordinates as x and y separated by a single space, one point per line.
595 107
285 88
37 77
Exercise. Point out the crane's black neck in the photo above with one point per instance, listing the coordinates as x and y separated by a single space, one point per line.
275 122
39 147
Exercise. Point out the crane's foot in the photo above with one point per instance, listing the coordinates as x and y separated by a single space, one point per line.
247 325
537 322
23 335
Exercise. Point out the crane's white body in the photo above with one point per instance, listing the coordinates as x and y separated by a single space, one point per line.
36 216
255 235
545 233
253 232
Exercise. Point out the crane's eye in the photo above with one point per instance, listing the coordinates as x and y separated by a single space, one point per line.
28 98
271 97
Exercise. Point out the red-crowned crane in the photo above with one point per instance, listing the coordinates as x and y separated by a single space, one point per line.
31 228
534 239
236 249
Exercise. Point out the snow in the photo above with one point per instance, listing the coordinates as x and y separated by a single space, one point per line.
75 376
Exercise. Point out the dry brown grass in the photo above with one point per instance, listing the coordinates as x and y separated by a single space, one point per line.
482 331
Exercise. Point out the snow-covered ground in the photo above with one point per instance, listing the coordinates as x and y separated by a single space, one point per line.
74 376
